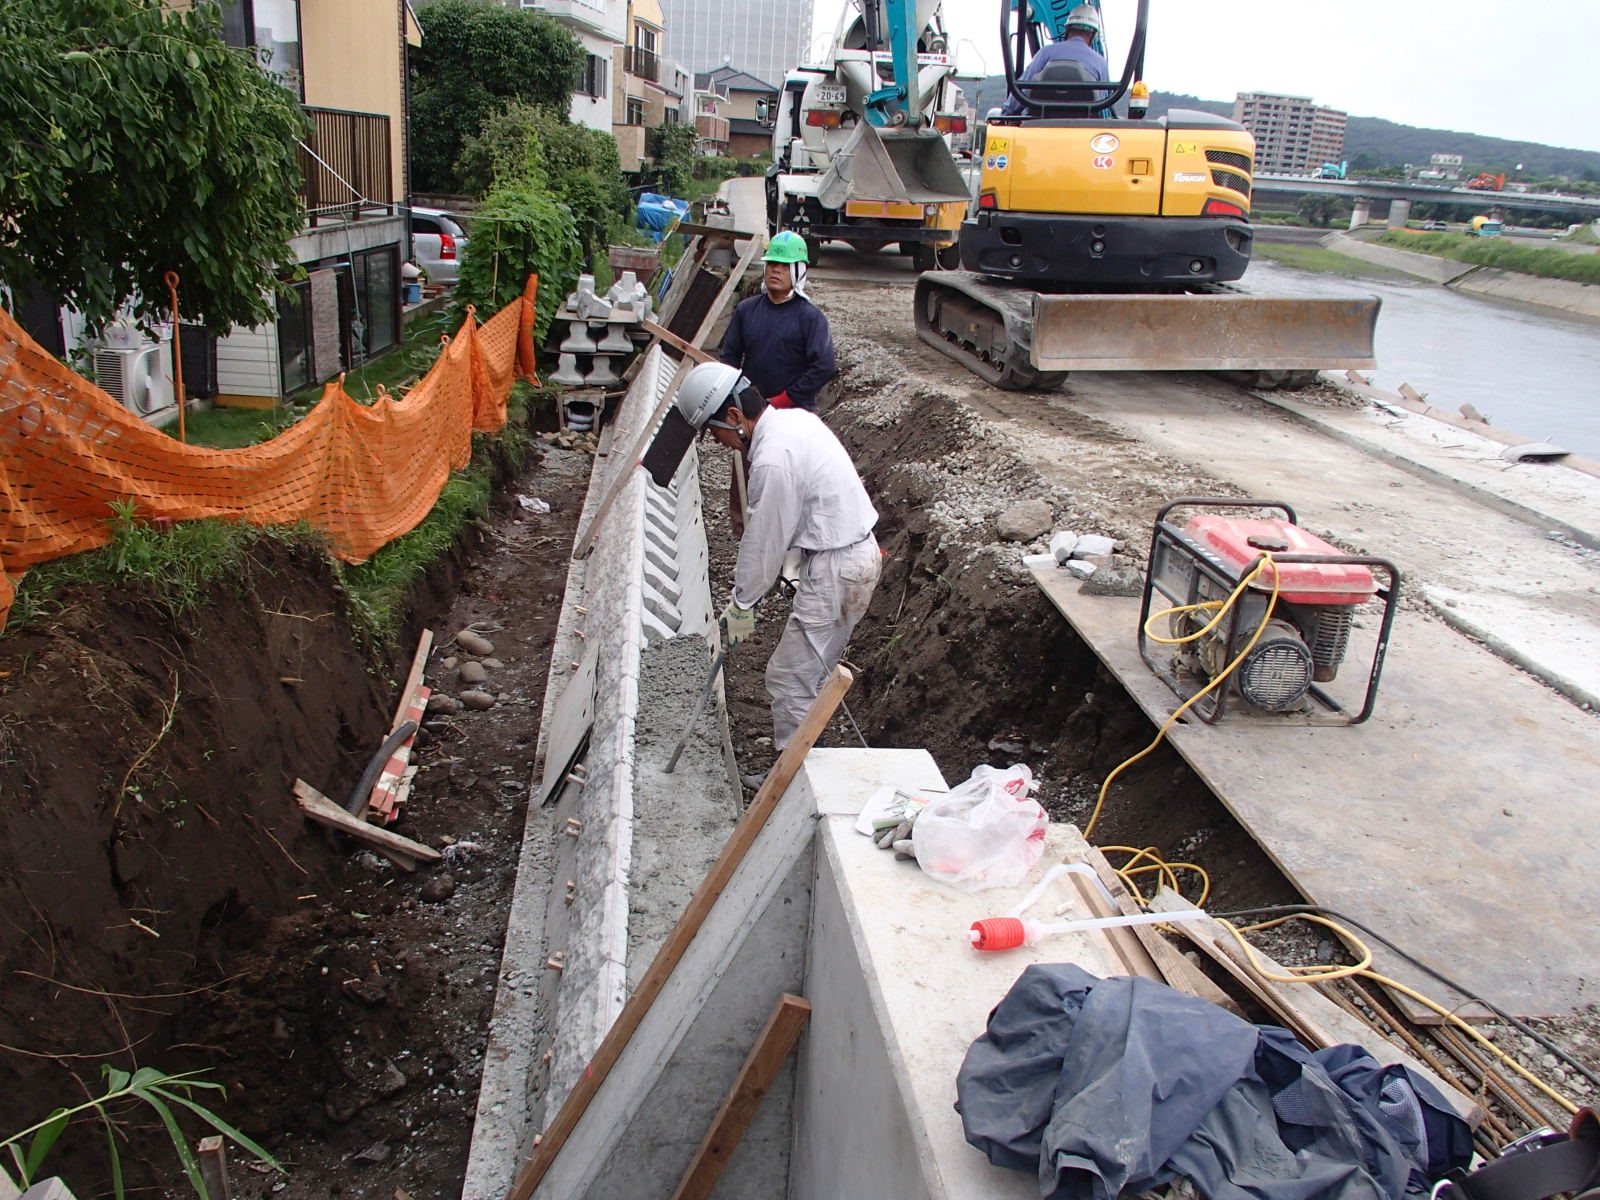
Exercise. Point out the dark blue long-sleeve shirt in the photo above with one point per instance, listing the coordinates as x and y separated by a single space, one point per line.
781 348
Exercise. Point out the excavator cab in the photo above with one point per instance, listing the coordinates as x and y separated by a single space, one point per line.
1106 242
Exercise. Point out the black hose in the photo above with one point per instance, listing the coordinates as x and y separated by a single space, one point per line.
1522 1027
358 799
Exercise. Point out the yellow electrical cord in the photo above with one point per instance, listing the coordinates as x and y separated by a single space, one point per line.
1222 607
1166 869
1362 969
1311 974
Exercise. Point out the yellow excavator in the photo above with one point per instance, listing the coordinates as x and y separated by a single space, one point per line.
1098 242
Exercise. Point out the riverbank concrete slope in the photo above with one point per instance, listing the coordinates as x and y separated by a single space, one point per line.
1564 295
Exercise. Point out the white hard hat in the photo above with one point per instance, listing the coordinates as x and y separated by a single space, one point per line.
706 389
1085 16
703 392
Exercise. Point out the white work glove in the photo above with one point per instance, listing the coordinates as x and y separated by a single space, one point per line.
739 623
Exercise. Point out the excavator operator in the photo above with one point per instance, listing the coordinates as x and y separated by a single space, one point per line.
1083 26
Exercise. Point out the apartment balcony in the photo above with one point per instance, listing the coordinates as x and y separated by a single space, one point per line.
643 63
346 173
708 128
589 16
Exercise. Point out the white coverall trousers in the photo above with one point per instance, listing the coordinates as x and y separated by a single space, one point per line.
832 595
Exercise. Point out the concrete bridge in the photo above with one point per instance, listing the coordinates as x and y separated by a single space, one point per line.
1402 194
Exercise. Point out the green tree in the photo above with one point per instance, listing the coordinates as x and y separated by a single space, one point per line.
1322 210
671 148
475 57
577 165
136 142
520 230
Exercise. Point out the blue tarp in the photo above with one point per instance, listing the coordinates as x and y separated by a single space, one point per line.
656 213
1106 1087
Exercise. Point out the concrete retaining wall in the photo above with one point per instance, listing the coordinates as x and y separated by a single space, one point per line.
646 579
1423 266
1581 299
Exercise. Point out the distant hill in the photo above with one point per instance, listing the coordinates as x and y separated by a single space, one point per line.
1386 143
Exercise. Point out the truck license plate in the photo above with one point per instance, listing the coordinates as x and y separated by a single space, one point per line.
830 93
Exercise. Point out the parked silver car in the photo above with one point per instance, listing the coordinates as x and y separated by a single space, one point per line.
439 240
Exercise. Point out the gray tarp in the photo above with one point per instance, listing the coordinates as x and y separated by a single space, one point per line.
1125 1083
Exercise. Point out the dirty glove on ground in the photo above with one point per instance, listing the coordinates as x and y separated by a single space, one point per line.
740 623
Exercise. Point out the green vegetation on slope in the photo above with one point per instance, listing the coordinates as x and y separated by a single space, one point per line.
1497 252
1326 262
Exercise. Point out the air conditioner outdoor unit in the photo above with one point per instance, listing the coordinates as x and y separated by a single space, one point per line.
137 377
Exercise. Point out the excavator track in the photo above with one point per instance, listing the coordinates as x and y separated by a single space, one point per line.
1019 339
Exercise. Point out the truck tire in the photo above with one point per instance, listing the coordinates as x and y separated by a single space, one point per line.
950 257
924 257
813 248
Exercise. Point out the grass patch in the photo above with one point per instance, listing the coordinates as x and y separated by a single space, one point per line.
233 428
1497 252
178 565
398 369
380 587
1323 261
1275 217
1583 235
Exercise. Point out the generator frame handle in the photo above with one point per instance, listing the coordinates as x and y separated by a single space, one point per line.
1211 565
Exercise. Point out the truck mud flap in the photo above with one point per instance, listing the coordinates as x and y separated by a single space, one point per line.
1217 332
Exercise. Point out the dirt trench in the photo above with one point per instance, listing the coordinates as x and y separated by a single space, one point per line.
960 652
166 904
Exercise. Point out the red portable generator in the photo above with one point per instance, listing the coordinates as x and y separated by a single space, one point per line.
1304 631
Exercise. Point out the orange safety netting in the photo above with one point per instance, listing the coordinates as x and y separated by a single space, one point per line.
362 474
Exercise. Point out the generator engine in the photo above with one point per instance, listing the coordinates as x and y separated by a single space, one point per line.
1305 630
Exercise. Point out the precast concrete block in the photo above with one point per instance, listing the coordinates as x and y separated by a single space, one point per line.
657 630
666 584
661 608
664 563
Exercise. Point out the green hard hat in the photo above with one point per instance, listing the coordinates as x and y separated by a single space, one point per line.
786 247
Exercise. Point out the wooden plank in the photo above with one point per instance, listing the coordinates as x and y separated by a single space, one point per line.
419 662
761 1066
635 454
666 335
212 1154
713 232
1174 968
325 812
729 286
672 950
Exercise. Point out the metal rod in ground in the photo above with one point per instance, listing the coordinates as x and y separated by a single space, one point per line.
700 707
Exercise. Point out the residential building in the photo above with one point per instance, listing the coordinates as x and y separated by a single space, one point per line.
767 38
646 97
347 59
601 26
747 136
1293 135
710 119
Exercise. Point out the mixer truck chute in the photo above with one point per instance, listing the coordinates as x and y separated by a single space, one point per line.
860 141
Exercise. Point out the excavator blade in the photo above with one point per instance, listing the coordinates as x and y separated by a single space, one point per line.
901 166
1217 332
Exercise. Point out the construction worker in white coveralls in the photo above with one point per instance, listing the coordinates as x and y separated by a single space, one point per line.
805 495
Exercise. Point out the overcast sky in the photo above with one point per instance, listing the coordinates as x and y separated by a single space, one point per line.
1522 69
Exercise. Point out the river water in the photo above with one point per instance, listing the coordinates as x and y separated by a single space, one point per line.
1529 371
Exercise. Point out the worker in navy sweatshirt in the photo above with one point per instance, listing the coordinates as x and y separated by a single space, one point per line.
780 340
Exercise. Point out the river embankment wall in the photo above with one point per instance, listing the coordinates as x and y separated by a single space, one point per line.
1563 295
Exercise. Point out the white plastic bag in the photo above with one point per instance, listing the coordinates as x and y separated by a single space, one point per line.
985 833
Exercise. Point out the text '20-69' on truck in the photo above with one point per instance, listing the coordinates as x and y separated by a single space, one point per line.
1102 240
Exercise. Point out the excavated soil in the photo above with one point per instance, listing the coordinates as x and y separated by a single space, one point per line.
960 652
167 905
